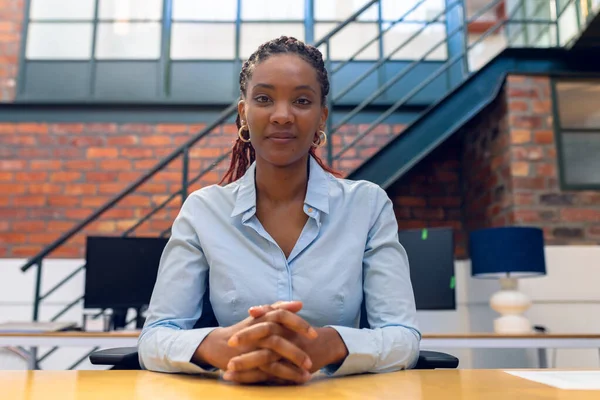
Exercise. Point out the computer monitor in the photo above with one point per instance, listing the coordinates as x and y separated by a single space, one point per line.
121 271
431 259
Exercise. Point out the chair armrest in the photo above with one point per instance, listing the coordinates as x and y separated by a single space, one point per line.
434 359
119 357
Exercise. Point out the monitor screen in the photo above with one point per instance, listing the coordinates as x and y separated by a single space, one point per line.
431 259
121 271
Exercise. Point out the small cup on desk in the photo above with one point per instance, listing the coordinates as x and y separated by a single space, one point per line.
94 321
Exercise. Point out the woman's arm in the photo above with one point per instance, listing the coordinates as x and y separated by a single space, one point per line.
392 343
168 342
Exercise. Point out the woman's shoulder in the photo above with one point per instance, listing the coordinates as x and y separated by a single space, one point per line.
357 188
213 194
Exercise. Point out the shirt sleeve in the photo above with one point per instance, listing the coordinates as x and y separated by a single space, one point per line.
168 341
392 343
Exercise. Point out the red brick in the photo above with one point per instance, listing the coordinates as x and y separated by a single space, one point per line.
59 226
20 140
580 215
32 128
68 252
542 106
523 199
172 128
137 128
112 188
149 164
13 188
28 226
135 200
26 250
535 183
79 214
410 201
516 79
128 140
519 168
445 201
153 188
63 201
119 213
102 152
112 165
129 177
45 188
29 201
47 165
520 153
413 224
12 165
67 128
7 129
544 137
103 226
100 128
518 105
136 152
94 201
546 169
101 176
526 122
513 92
519 136
6 176
526 216
65 176
31 176
34 153
80 165
197 128
428 213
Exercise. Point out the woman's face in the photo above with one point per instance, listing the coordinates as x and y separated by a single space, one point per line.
283 109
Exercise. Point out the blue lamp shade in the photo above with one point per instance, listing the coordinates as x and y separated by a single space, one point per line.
507 251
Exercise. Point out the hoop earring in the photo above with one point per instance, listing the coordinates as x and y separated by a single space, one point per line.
322 139
241 134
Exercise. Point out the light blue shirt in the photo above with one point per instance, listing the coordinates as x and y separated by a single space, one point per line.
349 246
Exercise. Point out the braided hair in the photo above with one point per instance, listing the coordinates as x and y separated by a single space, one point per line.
242 154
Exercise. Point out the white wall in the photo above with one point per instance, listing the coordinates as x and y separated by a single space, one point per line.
567 300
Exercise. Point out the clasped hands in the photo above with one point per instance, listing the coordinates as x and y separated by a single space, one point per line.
272 345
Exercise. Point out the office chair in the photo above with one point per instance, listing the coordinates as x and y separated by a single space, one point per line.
126 358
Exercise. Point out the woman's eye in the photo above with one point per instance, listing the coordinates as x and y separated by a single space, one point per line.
261 99
303 102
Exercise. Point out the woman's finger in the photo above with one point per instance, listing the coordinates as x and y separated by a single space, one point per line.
287 350
252 376
259 311
252 360
286 372
291 321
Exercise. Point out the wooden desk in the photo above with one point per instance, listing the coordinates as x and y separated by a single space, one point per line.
406 385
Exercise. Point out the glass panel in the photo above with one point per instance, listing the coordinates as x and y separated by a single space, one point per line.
192 10
339 10
127 10
391 10
579 105
485 50
417 46
48 41
539 10
253 35
124 40
567 24
351 38
188 41
62 9
272 10
580 157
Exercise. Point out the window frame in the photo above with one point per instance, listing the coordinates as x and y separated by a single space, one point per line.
559 131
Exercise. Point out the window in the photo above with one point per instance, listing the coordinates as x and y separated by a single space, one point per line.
578 130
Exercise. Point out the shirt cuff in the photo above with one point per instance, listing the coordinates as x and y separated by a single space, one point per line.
183 348
362 355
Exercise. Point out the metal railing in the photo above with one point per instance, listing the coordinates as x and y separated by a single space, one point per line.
183 151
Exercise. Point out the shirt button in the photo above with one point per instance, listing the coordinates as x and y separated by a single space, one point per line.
310 209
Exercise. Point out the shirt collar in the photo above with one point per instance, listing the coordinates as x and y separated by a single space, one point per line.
317 192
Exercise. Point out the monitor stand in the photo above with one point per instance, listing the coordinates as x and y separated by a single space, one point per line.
119 319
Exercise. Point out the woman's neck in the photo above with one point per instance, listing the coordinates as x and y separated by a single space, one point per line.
281 185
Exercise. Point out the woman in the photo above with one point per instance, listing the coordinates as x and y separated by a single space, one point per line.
290 249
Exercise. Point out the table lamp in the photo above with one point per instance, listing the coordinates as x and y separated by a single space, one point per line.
508 253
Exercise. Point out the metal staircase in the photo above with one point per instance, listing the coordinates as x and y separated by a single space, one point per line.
527 24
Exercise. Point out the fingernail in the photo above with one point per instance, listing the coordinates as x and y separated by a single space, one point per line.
231 366
307 363
312 333
233 341
227 376
307 375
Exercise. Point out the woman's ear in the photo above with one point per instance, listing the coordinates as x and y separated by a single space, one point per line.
242 111
323 119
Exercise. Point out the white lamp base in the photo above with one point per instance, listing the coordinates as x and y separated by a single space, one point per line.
511 304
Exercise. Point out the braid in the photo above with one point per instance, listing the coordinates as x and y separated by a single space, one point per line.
243 153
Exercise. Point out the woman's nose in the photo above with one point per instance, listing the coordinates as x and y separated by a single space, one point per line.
282 114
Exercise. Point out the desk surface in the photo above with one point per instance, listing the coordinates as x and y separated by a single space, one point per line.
407 385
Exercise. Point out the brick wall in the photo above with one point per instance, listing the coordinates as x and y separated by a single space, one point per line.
430 194
11 18
53 176
514 151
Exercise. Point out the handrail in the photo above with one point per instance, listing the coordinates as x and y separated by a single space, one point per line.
405 71
224 115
